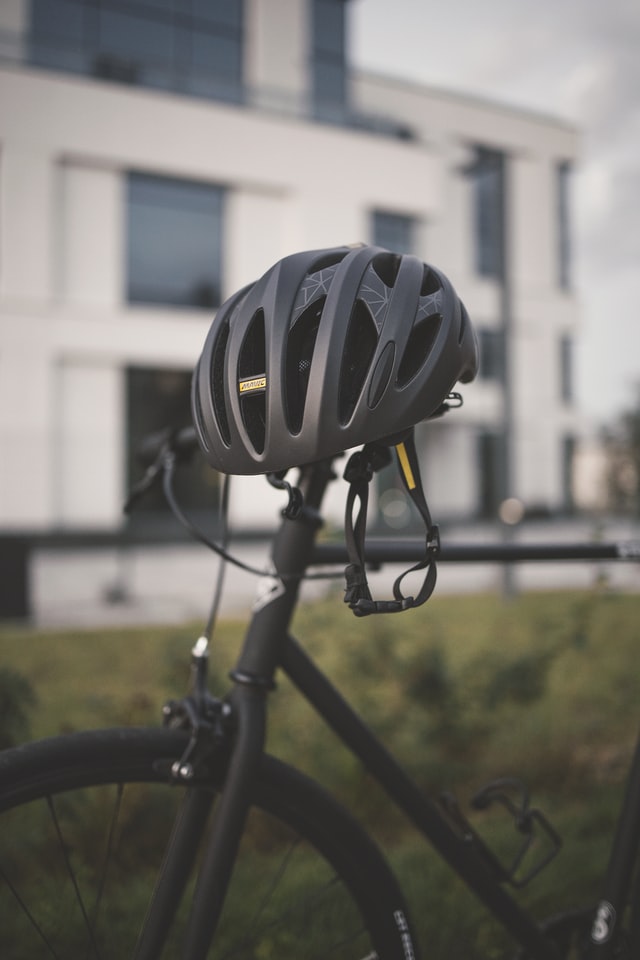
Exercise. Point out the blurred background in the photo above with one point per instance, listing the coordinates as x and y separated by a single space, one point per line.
156 155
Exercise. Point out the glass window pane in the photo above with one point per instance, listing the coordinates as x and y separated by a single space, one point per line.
330 86
492 355
174 242
217 55
566 369
329 27
492 465
394 231
192 48
329 67
215 66
58 35
173 192
563 181
58 19
146 6
138 38
158 399
487 175
567 458
223 12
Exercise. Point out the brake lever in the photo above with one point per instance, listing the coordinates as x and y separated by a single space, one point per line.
151 475
159 451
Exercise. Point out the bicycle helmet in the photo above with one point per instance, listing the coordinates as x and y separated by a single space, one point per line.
330 349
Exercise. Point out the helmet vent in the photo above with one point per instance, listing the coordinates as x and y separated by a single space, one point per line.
300 346
430 282
419 346
359 349
386 265
328 260
252 369
218 366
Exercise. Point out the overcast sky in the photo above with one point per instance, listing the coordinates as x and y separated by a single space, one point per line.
577 59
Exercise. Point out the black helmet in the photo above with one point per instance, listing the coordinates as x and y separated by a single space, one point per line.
330 349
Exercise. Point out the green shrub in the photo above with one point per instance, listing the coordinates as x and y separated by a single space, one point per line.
17 699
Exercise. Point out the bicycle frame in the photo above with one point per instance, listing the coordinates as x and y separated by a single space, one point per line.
268 646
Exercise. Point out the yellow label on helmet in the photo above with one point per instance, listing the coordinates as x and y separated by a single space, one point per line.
255 383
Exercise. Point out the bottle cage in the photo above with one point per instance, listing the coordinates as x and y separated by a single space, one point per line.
358 473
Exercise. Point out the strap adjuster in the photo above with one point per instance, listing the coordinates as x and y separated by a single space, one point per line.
433 540
358 473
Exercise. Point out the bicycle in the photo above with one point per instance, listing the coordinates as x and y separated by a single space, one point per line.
309 880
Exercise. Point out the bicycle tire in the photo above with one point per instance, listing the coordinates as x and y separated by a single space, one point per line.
110 788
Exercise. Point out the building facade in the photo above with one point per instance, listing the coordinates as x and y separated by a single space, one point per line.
157 156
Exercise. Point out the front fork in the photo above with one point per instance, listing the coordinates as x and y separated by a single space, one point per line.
222 844
214 727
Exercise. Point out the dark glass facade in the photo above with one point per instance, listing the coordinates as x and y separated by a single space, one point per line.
193 47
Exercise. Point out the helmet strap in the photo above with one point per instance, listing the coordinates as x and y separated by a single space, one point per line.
359 473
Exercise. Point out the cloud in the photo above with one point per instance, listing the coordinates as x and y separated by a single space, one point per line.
574 58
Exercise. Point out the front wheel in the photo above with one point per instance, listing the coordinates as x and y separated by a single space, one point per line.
84 822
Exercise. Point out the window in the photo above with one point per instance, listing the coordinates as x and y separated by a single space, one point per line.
194 48
568 456
393 231
492 354
566 369
328 60
492 453
487 173
174 233
58 31
157 400
563 183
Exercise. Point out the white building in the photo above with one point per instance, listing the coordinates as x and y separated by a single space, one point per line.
152 161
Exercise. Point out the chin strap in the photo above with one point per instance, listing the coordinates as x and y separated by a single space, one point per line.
359 473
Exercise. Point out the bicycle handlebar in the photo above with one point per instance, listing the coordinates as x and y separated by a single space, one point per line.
386 550
183 443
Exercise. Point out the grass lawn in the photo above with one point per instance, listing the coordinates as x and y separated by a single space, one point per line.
463 690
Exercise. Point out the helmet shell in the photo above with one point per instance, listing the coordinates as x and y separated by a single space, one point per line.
328 350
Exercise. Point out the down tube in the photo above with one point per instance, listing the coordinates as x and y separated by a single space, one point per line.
357 736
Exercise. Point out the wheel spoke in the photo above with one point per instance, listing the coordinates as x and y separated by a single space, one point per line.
115 817
29 915
295 911
64 849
